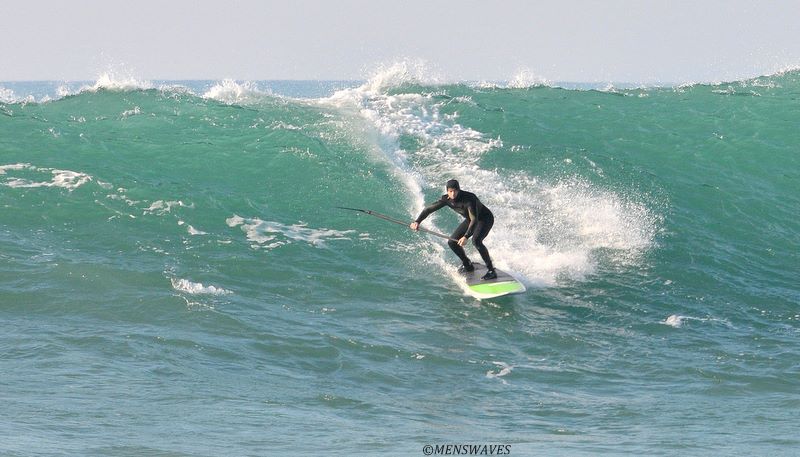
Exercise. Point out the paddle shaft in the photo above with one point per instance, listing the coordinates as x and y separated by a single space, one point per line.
387 218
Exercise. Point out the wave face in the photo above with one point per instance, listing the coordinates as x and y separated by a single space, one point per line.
176 246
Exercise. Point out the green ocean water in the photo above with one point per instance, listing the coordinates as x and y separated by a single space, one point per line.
175 278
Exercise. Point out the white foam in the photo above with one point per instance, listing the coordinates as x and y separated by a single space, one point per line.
193 231
549 231
15 166
161 207
526 78
234 93
7 95
269 235
116 80
505 369
66 179
64 91
386 76
131 112
675 320
411 114
69 179
184 285
678 321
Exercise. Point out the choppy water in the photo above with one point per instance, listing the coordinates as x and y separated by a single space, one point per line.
175 279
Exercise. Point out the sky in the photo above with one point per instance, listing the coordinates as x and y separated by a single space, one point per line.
644 41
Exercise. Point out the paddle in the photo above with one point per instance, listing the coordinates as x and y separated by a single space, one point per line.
387 218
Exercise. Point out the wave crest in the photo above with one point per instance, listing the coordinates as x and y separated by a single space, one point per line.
404 72
114 81
235 93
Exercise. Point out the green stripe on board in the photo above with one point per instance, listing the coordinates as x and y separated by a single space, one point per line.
505 287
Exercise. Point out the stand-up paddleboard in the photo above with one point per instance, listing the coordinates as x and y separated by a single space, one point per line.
504 284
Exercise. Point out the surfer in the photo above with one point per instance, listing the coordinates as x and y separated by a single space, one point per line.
478 220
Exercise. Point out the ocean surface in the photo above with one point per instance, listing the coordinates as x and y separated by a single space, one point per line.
175 278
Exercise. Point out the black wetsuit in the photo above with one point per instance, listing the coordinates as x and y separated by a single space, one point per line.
477 223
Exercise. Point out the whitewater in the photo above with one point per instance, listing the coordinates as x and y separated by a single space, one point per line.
175 277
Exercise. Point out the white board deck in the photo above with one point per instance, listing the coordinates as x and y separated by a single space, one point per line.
504 284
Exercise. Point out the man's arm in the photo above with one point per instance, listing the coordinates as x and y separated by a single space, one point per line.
430 209
472 213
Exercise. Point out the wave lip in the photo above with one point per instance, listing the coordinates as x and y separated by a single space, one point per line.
117 82
397 74
523 79
234 93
